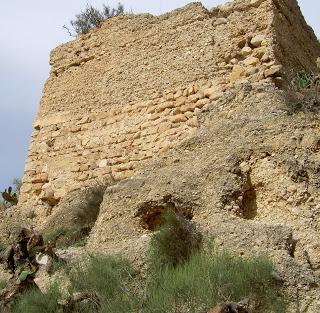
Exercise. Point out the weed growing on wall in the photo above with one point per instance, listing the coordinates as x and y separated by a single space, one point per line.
91 18
175 242
305 90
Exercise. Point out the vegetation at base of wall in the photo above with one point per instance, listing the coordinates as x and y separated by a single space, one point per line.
211 278
175 242
191 282
109 280
58 265
3 284
91 18
36 301
62 237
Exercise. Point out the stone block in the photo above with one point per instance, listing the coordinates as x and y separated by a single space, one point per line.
188 107
251 61
102 163
178 94
178 118
274 70
193 98
193 122
220 21
202 102
165 105
237 73
169 96
245 51
164 126
180 101
257 40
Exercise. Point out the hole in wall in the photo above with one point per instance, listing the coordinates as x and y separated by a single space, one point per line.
152 213
248 204
242 43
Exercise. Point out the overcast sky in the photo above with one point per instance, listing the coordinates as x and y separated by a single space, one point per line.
29 30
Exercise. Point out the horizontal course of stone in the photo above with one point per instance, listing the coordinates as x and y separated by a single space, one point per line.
74 151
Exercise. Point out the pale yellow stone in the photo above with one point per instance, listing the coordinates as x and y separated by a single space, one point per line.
259 52
246 51
83 167
178 94
149 131
180 101
102 163
178 118
169 97
265 58
220 21
164 126
193 98
237 73
188 114
113 152
215 96
151 109
126 144
234 61
257 40
193 122
188 107
202 102
124 167
165 105
251 61
274 70
146 125
251 71
83 177
177 111
190 91
119 160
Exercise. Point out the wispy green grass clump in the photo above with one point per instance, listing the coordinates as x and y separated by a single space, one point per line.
175 242
109 280
3 284
183 276
211 278
36 301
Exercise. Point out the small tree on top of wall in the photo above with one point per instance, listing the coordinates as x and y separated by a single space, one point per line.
91 18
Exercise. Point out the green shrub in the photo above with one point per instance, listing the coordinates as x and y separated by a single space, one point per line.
210 278
53 235
91 18
58 265
305 92
3 284
206 279
62 237
183 276
35 301
305 79
175 242
111 279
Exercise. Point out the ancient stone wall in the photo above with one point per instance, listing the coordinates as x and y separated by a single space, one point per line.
133 89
